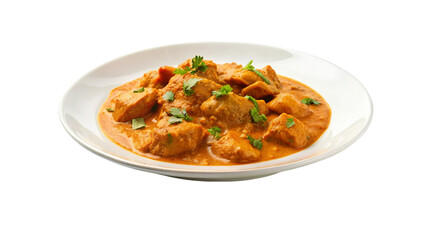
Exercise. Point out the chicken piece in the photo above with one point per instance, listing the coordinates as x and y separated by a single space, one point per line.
294 136
142 139
132 105
231 146
260 89
157 79
210 73
240 76
287 103
244 77
231 110
270 73
227 70
202 91
170 140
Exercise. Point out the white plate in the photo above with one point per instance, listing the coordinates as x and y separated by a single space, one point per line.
350 104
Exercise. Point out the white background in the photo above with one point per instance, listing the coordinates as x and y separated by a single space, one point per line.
52 188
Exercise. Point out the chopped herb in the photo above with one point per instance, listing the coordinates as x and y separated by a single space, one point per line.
255 112
289 123
257 143
110 110
139 90
169 136
251 68
197 65
253 101
224 90
187 86
309 101
256 116
169 96
215 132
178 115
181 71
174 119
138 123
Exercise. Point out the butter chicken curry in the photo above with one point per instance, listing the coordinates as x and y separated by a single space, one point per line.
203 113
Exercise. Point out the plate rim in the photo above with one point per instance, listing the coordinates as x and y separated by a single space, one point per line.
170 170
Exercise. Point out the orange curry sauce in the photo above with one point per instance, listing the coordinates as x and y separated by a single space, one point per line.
122 134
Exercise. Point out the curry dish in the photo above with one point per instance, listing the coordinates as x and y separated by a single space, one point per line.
203 113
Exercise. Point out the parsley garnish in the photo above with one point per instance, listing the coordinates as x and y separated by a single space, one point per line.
138 123
197 65
253 101
178 115
255 112
139 90
181 71
174 119
256 116
309 101
257 143
215 132
224 90
187 86
110 110
170 138
169 96
289 123
251 68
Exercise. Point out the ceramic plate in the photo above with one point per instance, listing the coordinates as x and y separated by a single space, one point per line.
349 101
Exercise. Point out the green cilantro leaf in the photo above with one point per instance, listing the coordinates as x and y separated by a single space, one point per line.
309 101
170 138
224 90
176 111
138 123
178 115
258 73
139 90
174 119
256 116
197 65
289 123
215 132
253 101
257 143
187 86
255 112
110 110
181 71
169 96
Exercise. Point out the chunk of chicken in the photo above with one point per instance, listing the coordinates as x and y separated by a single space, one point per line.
287 103
210 73
231 110
157 79
227 70
236 75
202 91
270 73
170 140
132 105
231 146
295 136
260 89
